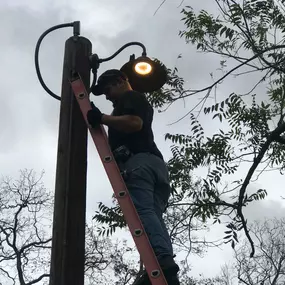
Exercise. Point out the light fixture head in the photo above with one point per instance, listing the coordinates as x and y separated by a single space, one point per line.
144 74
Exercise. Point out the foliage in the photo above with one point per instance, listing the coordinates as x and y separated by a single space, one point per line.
249 34
25 238
178 218
108 261
24 230
167 95
111 216
268 266
248 37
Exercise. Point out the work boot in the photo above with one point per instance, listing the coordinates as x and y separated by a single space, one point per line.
168 265
144 279
169 268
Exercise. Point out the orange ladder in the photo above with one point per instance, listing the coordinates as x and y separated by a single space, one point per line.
133 221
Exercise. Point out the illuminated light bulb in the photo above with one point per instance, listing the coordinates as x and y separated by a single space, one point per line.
143 68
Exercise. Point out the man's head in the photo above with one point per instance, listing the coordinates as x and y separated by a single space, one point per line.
113 83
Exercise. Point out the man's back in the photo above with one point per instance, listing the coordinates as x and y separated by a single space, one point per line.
134 103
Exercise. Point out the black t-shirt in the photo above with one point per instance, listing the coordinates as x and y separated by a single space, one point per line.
134 103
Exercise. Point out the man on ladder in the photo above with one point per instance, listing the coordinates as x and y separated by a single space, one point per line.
131 140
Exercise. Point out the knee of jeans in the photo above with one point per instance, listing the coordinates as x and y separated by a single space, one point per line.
144 210
142 204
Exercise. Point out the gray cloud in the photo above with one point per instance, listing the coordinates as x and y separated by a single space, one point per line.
29 117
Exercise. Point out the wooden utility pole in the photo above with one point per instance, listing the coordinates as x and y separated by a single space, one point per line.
68 242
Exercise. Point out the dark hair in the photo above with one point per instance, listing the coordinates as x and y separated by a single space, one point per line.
111 76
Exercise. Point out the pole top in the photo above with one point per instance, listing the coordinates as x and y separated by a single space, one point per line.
76 28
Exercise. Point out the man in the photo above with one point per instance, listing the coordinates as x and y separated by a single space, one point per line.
132 143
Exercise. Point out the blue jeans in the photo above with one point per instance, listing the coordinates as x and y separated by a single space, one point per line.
148 185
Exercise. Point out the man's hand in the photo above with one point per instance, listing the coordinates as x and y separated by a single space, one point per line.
94 116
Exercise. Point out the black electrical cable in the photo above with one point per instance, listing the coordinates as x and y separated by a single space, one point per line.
76 27
94 59
122 48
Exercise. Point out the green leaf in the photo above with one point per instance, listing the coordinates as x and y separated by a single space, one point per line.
223 30
228 236
220 117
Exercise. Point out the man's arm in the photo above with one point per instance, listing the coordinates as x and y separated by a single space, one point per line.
133 111
125 123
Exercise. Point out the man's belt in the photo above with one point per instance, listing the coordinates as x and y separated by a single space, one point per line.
122 154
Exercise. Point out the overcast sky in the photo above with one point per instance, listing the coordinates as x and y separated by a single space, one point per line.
30 117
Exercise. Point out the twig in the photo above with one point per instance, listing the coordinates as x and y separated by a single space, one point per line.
8 275
180 4
159 7
261 171
203 99
38 279
35 244
259 81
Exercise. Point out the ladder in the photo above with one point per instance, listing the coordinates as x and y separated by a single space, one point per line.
133 221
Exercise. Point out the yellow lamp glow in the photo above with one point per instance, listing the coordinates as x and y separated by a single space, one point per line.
143 68
144 74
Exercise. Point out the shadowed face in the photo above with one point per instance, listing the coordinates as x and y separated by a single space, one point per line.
114 89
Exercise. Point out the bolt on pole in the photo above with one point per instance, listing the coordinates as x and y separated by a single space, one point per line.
68 241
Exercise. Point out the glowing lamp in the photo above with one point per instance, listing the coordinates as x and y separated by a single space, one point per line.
144 74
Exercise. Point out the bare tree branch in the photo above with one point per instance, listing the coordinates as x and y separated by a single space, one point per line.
8 275
25 205
276 133
268 265
37 279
